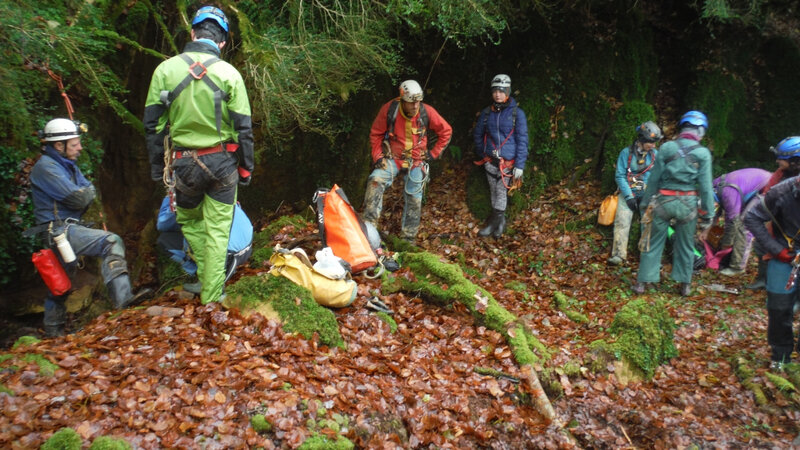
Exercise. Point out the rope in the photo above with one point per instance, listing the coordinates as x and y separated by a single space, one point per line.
647 227
425 177
67 102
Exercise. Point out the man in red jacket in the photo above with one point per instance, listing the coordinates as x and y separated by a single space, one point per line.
399 140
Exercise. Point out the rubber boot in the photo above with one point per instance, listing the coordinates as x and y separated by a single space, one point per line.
119 289
491 224
501 225
761 277
55 316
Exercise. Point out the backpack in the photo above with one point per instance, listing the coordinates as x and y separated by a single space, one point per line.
240 241
342 230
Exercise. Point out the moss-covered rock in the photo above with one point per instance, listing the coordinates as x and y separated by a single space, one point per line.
260 424
644 335
279 298
63 439
110 443
388 320
322 442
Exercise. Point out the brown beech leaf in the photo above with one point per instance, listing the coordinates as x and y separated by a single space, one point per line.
220 397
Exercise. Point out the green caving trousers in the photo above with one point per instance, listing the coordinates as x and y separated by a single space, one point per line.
683 211
207 228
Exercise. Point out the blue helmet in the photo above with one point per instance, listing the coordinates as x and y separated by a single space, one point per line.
211 13
787 148
695 118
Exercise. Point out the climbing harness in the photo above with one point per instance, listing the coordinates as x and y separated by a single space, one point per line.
198 71
391 118
633 181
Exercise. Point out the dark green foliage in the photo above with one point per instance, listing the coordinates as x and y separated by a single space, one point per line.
723 98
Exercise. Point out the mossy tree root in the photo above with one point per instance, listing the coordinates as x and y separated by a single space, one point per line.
443 283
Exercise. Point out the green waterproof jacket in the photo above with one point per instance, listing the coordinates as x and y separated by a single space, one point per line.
192 115
690 172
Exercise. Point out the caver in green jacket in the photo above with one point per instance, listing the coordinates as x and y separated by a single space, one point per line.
191 115
682 173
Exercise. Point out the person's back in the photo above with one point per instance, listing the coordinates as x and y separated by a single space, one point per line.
202 103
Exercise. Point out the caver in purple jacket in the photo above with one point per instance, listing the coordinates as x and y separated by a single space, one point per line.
735 189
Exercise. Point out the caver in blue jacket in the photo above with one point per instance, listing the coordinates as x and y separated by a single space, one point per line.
498 134
59 189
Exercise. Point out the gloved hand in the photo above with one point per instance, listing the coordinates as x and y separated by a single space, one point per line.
705 223
785 256
517 173
633 205
244 181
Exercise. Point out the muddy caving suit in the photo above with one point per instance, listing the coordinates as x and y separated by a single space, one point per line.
408 149
201 102
632 174
735 190
501 143
61 194
681 174
781 207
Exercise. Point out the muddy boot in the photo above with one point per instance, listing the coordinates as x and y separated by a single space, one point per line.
501 225
761 277
55 316
491 224
119 289
685 289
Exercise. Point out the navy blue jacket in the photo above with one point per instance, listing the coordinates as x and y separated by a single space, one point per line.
495 136
60 191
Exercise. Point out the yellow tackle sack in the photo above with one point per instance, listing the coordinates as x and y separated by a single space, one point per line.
608 209
296 266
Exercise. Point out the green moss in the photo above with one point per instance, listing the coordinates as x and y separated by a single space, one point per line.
389 321
63 439
46 368
260 424
745 375
294 305
644 334
723 97
25 340
565 304
110 443
517 286
571 369
781 383
322 442
5 390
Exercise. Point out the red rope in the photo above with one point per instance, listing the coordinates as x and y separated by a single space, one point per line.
67 102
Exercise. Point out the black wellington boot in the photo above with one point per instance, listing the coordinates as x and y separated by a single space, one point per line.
501 225
491 224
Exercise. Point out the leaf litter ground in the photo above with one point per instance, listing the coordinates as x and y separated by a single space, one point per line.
194 379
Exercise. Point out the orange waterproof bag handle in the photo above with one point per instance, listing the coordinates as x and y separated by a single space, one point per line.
51 271
342 230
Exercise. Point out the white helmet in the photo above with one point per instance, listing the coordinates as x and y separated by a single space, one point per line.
410 91
60 130
503 82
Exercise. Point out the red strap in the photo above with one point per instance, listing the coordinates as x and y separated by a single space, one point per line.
679 193
230 148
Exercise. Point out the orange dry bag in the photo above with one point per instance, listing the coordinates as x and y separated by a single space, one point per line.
51 271
342 230
608 208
